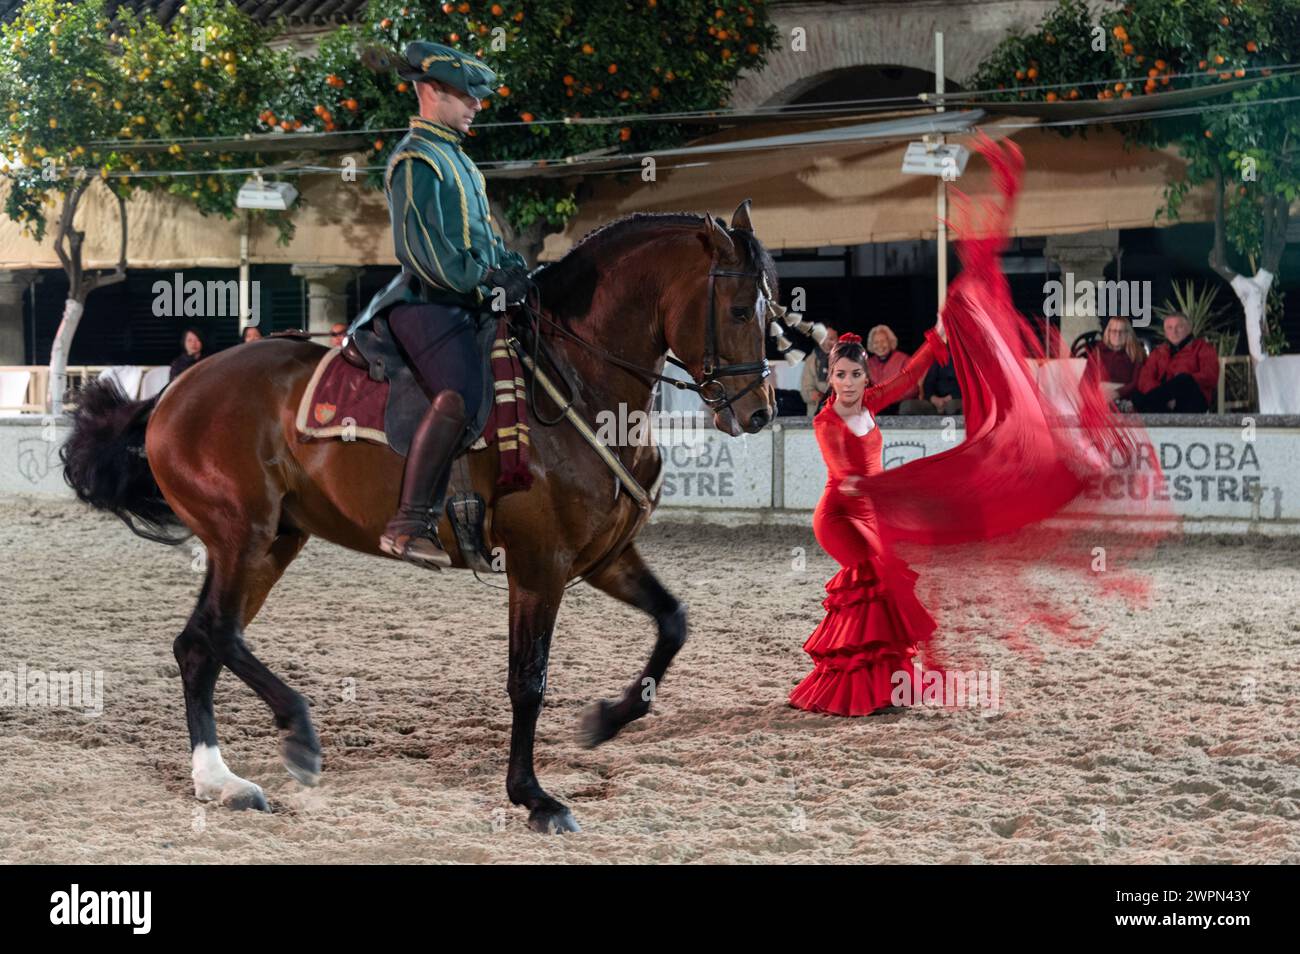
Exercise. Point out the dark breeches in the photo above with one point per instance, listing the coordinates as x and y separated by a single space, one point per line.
440 341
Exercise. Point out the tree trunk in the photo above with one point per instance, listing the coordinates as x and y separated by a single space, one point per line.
80 285
1252 291
58 380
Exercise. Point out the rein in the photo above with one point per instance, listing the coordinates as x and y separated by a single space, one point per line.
711 390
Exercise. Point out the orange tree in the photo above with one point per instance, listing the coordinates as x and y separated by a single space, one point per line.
91 98
554 59
1245 143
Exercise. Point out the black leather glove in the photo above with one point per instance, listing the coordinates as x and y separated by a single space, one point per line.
513 279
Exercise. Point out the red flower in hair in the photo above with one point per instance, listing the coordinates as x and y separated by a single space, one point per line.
850 338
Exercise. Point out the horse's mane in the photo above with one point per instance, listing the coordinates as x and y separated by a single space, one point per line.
569 270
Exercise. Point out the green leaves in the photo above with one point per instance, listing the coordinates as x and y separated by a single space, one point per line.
1153 46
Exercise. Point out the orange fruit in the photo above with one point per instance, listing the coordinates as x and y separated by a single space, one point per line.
503 91
625 134
613 68
1252 47
1051 97
526 117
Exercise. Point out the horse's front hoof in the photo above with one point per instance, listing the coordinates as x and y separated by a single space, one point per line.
302 758
556 820
597 725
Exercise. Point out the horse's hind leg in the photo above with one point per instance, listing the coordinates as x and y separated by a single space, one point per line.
629 580
213 780
235 589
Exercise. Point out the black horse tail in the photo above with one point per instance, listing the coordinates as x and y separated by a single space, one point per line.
105 463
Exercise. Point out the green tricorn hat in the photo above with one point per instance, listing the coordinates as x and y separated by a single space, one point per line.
433 61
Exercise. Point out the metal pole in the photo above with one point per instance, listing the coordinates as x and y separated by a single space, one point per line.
244 289
941 238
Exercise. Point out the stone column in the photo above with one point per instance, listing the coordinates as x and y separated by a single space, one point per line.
327 297
1085 255
13 286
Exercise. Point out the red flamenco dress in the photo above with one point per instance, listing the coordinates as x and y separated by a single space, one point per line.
1027 456
873 619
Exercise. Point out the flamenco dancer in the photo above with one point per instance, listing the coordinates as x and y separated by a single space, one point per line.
1025 458
873 620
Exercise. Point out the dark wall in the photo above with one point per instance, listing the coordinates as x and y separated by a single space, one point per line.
119 326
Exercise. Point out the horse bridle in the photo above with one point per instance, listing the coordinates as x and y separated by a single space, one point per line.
711 370
712 391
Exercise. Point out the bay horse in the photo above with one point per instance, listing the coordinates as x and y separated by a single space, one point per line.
217 455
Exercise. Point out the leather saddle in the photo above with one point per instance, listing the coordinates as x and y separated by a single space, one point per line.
373 349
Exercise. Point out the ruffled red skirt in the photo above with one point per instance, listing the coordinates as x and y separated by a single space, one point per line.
864 646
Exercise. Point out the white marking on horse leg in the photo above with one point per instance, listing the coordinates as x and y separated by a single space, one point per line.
214 782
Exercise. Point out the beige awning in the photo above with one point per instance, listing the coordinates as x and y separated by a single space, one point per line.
338 223
804 197
855 192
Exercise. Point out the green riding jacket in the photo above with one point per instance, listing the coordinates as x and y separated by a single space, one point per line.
442 226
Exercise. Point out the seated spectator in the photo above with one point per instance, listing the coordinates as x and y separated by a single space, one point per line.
1116 360
193 353
1180 375
816 369
884 360
939 393
252 333
337 332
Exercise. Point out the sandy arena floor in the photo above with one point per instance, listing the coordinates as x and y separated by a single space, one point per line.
1174 738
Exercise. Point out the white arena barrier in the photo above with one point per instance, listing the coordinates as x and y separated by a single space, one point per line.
1224 473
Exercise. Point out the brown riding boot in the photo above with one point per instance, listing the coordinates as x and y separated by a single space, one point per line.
412 534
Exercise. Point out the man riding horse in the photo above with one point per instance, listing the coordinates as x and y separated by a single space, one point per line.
453 262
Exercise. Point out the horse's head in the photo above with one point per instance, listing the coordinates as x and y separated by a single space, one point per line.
718 328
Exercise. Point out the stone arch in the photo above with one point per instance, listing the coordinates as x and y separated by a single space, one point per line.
842 36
